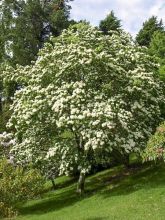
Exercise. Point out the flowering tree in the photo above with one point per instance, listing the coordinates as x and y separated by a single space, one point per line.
87 94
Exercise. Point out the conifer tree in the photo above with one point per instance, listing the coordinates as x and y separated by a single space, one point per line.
145 35
157 49
26 25
110 23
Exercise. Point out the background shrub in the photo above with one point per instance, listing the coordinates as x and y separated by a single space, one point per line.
17 184
155 149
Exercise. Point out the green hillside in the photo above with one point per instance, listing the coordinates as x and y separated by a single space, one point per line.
114 194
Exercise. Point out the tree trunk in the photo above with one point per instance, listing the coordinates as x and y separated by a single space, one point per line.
53 184
126 160
81 183
0 104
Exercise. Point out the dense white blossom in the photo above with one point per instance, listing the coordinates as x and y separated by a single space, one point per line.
85 95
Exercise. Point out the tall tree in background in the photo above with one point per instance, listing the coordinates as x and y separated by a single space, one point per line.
26 25
111 22
157 48
5 25
157 45
145 35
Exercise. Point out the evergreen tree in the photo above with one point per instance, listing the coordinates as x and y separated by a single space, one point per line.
57 13
157 45
145 35
111 22
26 25
157 48
5 25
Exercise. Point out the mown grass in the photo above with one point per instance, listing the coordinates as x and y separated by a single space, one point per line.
114 194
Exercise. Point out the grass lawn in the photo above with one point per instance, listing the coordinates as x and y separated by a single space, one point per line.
114 194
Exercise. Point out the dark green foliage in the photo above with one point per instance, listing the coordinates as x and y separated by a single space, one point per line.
57 13
1 89
25 26
4 117
26 39
157 45
145 35
110 23
157 49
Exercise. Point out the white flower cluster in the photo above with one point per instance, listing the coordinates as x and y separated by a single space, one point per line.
7 140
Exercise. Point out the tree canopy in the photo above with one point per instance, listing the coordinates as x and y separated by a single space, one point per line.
145 35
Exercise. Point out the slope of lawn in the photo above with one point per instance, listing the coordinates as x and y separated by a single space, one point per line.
114 194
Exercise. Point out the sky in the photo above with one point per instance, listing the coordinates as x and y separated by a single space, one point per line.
132 13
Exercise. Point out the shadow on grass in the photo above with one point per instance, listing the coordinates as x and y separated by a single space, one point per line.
51 202
145 178
60 185
97 218
114 182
